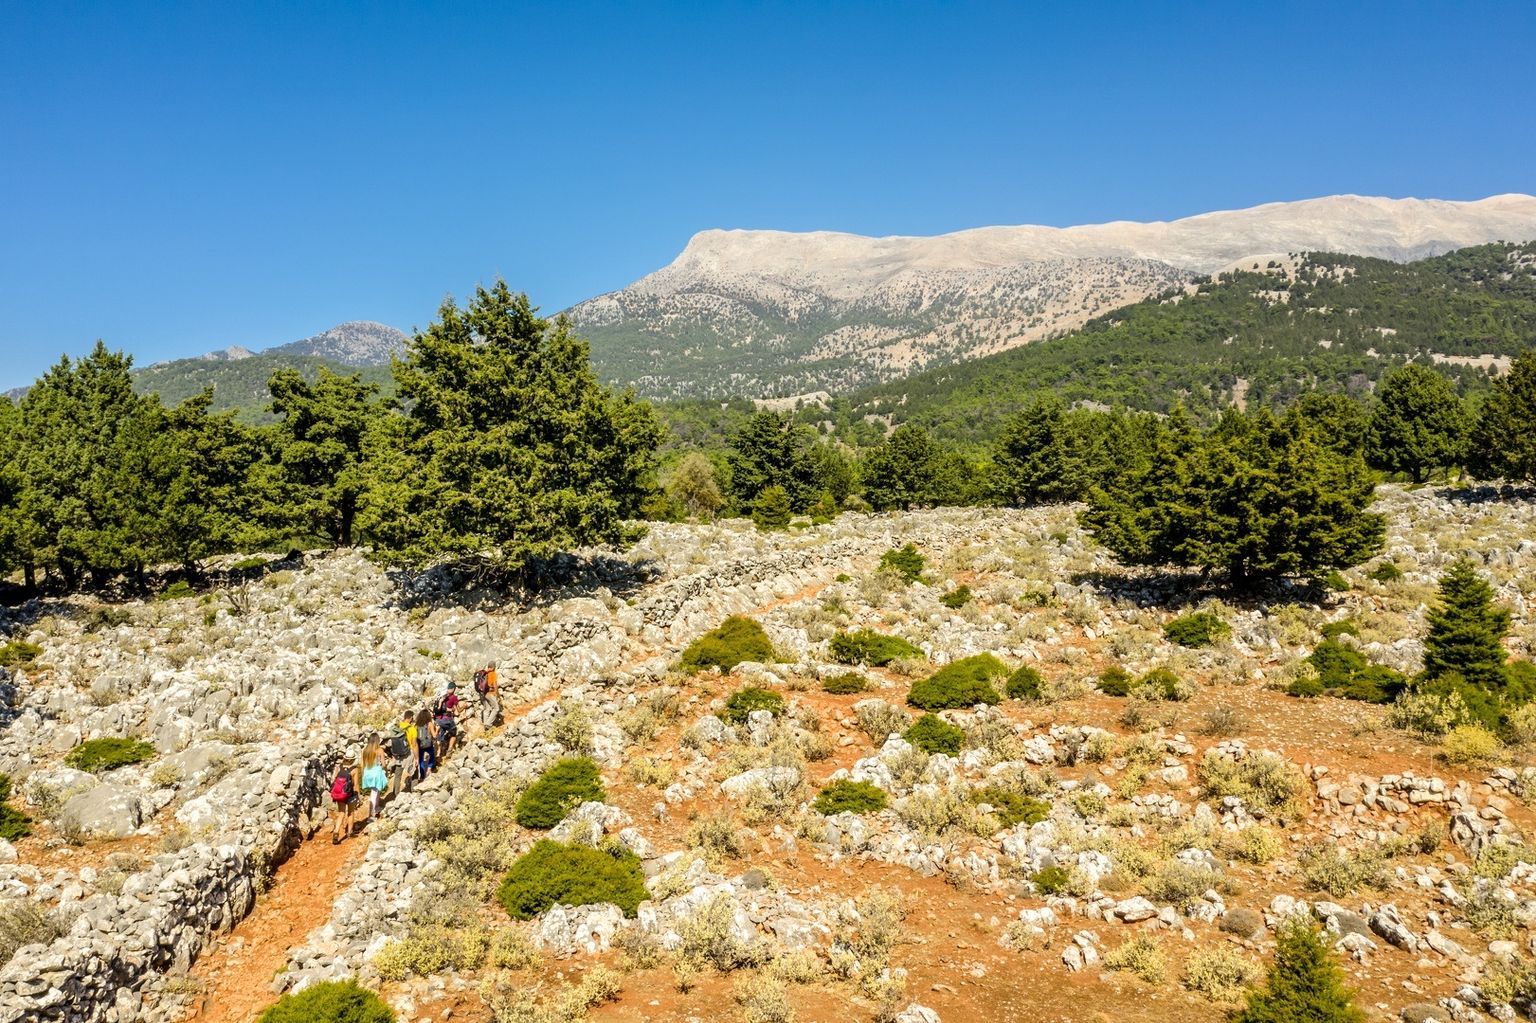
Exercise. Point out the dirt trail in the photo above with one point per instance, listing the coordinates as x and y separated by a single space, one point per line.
236 976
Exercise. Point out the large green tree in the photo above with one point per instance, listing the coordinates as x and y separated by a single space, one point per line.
1305 984
322 434
1466 631
209 466
909 469
510 449
770 450
1419 424
1255 498
1504 440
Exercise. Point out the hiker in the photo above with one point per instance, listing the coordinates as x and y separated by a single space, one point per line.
490 697
375 779
343 801
426 744
444 713
400 747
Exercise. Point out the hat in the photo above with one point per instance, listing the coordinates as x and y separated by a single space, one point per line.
453 685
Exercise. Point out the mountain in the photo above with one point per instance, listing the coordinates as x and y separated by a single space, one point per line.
239 377
1263 334
762 313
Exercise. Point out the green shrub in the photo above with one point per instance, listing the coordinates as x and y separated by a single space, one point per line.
957 597
1200 628
1386 572
1334 582
331 1001
1011 807
844 796
1141 955
932 734
907 562
19 652
1344 672
13 823
553 873
737 639
97 755
1265 782
1025 684
26 921
1339 872
964 683
178 590
771 509
1220 974
1051 880
1305 984
845 685
559 790
865 646
1163 684
1115 681
1469 745
745 700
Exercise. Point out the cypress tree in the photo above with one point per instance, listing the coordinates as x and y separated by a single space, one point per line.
1504 445
1305 984
1419 424
1466 631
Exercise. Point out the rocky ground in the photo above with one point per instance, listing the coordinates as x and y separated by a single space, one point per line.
185 887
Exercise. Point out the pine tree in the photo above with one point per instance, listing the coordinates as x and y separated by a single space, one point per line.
321 435
909 470
1028 461
1466 631
510 450
1256 498
692 487
1305 984
1504 444
1419 424
769 450
208 464
771 509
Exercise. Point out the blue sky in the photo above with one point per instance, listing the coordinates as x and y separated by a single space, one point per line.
181 177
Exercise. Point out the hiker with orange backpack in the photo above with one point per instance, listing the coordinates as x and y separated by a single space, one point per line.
490 697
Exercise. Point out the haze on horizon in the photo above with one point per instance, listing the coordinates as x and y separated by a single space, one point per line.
178 181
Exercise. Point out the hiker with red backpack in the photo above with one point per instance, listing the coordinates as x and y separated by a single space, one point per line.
343 801
444 717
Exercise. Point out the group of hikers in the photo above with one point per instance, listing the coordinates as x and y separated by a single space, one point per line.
419 739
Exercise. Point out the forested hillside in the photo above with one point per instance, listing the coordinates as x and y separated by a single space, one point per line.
1261 335
240 385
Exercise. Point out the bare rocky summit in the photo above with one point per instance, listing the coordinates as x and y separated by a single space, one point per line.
765 313
354 343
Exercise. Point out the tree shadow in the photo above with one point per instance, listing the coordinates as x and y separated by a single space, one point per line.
1175 590
473 585
1491 493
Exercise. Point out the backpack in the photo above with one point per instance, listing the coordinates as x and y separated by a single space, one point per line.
341 788
482 682
440 708
398 746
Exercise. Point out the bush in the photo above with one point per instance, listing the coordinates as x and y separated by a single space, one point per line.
1201 628
97 755
1181 884
771 509
25 921
744 701
1386 572
1115 681
865 646
906 562
432 949
1163 684
1265 782
1025 684
179 590
1339 872
963 683
844 796
1305 984
709 938
552 873
737 639
331 1001
1343 671
1052 880
957 598
1011 807
1220 974
1142 956
1470 745
763 999
559 790
18 653
13 823
932 734
845 685
879 720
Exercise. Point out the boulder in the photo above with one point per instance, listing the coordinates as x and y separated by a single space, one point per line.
106 811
